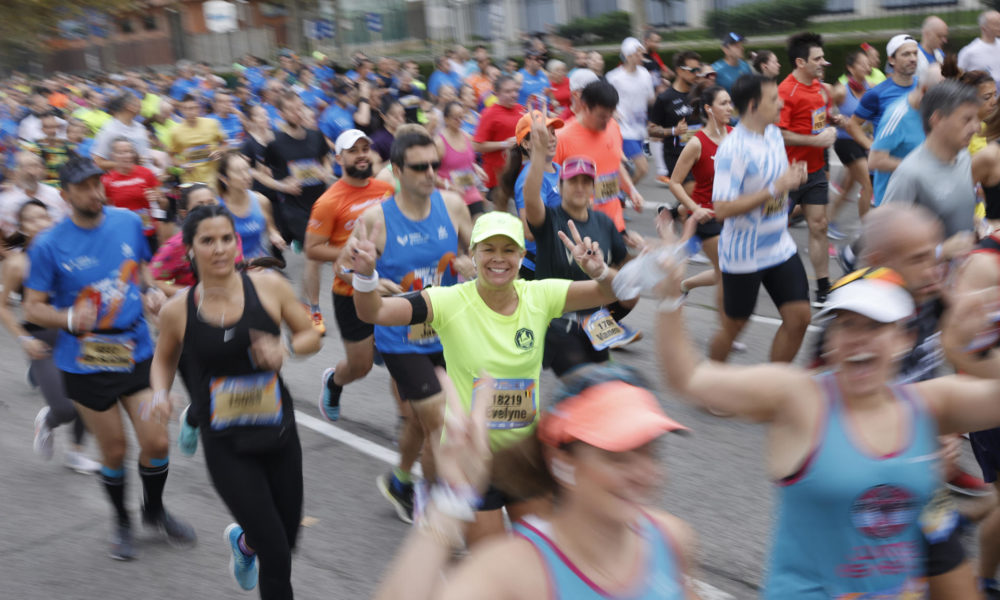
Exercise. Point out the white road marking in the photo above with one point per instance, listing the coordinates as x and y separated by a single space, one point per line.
391 457
754 317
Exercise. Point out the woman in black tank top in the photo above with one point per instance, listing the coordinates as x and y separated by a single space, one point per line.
229 327
986 172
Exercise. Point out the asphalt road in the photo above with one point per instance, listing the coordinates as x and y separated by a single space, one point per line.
55 523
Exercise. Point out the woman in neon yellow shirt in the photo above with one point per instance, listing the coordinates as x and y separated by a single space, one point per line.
494 324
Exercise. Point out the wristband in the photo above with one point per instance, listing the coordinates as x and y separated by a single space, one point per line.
365 283
69 320
455 502
673 132
669 305
603 274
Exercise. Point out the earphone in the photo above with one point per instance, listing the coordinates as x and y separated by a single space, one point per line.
563 472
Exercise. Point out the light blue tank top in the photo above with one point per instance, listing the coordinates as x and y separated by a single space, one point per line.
661 579
847 109
417 254
252 229
847 523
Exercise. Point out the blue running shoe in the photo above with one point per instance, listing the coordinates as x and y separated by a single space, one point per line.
187 439
329 396
244 567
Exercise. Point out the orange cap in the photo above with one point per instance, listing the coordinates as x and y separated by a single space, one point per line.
614 416
524 124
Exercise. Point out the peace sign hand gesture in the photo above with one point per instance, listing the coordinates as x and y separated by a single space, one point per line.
362 250
586 252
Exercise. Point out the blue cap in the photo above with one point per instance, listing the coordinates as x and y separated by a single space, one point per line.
732 38
78 170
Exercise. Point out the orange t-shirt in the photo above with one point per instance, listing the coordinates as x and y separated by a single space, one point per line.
480 84
338 209
605 149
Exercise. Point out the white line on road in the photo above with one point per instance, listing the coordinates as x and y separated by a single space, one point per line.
391 457
755 318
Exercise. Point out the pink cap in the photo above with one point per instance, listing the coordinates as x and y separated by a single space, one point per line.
578 165
614 416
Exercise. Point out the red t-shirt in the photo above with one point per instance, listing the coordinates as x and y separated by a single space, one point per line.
561 93
127 190
804 112
496 124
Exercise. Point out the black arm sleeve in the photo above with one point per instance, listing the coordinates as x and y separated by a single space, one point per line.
419 306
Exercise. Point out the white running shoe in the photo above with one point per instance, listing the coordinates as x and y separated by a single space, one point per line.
43 435
76 461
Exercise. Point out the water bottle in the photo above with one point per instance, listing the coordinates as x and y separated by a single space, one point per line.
640 275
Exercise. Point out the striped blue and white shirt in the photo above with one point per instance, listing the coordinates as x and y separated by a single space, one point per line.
747 163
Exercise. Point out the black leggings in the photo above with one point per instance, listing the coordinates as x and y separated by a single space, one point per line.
264 494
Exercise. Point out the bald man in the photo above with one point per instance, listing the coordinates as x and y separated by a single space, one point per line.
933 37
983 53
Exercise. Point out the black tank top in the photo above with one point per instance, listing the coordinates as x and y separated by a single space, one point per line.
991 196
232 397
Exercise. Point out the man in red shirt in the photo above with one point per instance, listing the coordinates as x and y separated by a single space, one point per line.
495 134
807 134
134 187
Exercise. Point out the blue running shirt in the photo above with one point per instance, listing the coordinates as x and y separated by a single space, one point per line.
101 265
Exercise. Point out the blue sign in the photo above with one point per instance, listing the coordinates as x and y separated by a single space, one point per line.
324 29
374 22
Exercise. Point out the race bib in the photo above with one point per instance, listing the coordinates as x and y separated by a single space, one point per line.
307 171
776 205
463 179
421 333
245 400
606 188
819 120
911 589
939 518
198 154
691 130
602 329
107 352
513 403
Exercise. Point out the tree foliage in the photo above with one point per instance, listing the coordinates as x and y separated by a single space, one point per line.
27 23
612 26
765 16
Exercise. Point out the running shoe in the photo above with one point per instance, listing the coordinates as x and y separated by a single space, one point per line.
377 359
122 542
243 567
665 180
297 246
329 396
738 346
43 434
178 532
631 335
399 494
819 300
187 438
834 233
967 484
846 259
319 323
76 461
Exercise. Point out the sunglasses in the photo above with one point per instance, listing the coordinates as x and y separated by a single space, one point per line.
185 186
688 69
422 167
579 164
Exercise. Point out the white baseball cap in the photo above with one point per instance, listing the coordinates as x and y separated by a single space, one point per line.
581 78
631 45
896 42
874 293
346 140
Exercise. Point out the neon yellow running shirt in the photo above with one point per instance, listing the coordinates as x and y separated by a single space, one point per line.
508 347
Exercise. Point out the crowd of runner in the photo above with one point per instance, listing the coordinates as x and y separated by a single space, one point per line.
477 227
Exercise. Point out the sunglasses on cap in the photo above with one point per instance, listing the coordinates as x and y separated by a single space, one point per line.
880 273
422 167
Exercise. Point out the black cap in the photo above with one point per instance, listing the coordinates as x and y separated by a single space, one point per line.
78 170
732 38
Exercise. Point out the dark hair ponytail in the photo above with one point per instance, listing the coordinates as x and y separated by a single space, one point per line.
512 169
